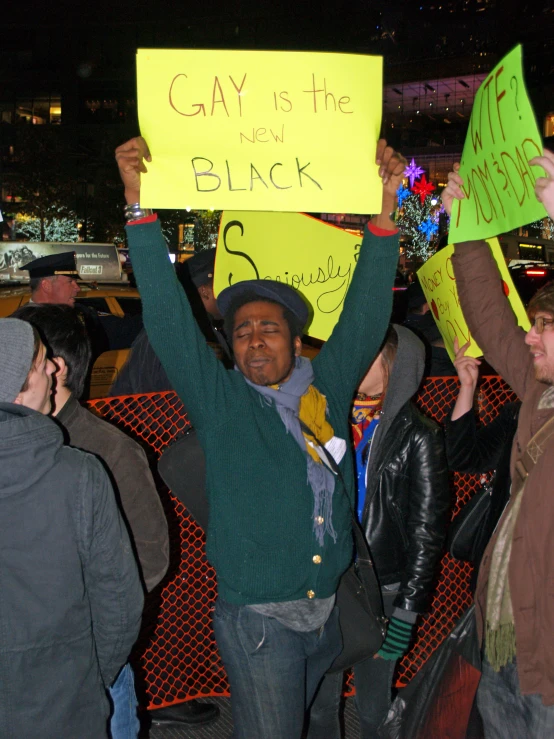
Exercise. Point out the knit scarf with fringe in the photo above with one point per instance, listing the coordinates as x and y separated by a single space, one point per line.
299 399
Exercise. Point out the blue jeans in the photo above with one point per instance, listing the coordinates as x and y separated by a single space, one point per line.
273 671
373 679
124 723
506 713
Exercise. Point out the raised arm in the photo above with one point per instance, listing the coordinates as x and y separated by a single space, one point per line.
486 309
360 330
191 366
476 450
468 372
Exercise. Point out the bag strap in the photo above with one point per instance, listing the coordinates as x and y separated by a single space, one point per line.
362 548
534 449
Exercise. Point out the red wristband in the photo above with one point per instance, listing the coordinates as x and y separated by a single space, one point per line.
377 231
146 219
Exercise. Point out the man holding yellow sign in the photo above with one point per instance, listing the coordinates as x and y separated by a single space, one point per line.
280 531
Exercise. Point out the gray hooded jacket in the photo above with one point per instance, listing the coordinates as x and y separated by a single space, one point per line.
408 497
70 595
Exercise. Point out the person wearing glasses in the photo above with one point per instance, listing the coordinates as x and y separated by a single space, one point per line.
515 586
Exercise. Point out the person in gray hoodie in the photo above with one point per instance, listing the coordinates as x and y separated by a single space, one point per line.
68 344
403 505
71 598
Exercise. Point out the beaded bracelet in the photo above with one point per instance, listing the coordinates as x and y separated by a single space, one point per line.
133 212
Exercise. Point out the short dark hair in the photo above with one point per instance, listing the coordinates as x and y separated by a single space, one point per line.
63 331
251 297
36 348
34 283
542 300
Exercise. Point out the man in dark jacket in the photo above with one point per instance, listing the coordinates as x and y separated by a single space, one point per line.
71 598
53 280
125 461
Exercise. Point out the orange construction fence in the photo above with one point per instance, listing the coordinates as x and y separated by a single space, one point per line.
176 657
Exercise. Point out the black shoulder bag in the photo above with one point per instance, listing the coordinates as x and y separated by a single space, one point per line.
470 531
182 467
472 528
362 623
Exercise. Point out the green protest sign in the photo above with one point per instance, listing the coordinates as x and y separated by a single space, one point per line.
502 137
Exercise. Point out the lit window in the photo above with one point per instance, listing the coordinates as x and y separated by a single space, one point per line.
549 124
40 110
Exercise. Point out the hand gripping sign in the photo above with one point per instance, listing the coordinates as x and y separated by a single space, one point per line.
251 130
439 285
502 137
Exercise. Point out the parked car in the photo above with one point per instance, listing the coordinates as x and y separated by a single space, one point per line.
119 309
108 300
529 277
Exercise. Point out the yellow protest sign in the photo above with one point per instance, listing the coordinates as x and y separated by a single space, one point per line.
253 130
499 182
313 257
439 285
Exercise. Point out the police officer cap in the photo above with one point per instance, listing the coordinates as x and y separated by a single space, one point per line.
53 264
201 267
268 290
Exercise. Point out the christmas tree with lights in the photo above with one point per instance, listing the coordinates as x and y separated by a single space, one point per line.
418 213
59 225
543 229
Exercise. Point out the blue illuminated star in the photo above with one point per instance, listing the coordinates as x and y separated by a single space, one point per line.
412 172
402 193
428 228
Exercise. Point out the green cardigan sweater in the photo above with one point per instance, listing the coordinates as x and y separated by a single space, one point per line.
260 538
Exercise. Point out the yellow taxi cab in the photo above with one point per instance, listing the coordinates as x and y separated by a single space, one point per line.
105 371
108 300
115 300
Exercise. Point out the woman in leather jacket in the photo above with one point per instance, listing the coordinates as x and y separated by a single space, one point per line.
403 506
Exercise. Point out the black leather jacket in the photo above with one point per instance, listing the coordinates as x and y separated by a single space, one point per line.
475 450
408 500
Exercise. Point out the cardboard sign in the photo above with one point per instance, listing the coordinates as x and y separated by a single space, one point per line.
498 179
251 130
316 259
439 285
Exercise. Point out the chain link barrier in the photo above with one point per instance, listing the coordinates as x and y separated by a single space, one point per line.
176 656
